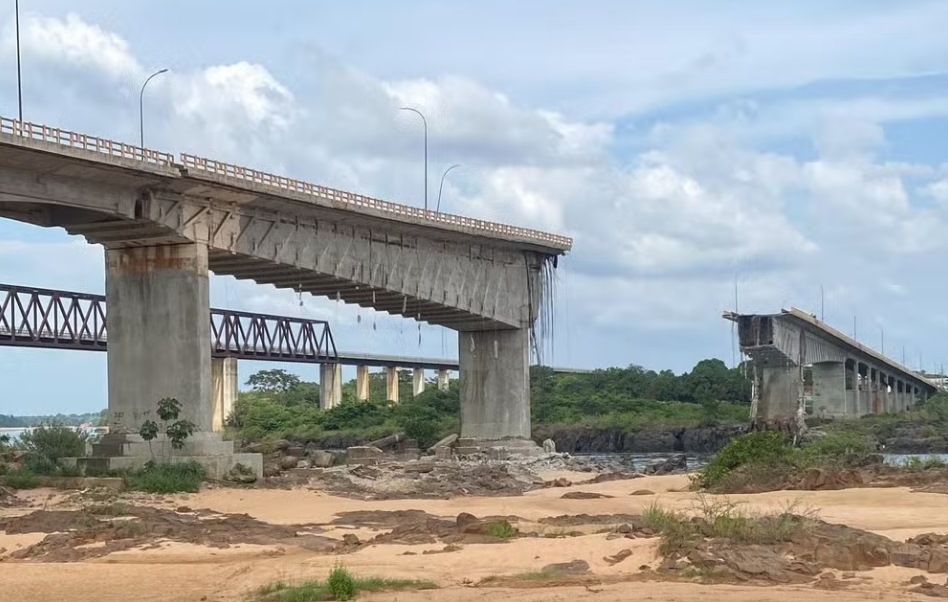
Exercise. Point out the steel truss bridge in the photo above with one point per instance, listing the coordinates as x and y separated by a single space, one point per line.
47 318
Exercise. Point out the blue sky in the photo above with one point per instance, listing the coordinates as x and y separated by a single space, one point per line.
684 147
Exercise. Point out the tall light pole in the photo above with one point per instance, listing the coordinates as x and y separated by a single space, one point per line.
882 336
441 187
141 106
424 121
19 81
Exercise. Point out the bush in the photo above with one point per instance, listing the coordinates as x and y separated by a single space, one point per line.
21 479
839 445
341 584
50 442
167 478
765 448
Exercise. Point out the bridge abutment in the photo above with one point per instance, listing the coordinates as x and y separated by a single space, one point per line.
225 387
494 370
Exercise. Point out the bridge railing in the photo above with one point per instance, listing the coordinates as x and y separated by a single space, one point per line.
104 146
35 317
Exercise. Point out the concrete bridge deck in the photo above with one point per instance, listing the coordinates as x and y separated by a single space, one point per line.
849 378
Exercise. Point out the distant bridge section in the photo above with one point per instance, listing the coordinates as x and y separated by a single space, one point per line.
849 378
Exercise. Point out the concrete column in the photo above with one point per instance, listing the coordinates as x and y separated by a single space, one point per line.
158 326
852 387
391 384
779 389
362 383
495 384
829 389
443 380
224 389
330 385
874 393
861 393
417 381
900 394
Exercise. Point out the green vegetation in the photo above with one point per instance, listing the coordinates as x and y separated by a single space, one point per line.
627 399
341 585
21 479
166 478
99 418
48 444
176 429
722 519
766 459
501 529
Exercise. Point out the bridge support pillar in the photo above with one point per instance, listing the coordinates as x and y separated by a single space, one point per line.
417 381
224 389
443 380
779 393
362 383
158 329
330 385
391 384
829 389
495 385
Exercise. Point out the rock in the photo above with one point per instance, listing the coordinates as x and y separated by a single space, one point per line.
297 451
549 446
918 579
288 462
350 539
363 454
672 464
239 474
583 495
618 556
301 463
448 441
183 509
471 525
322 459
561 482
281 444
271 469
573 567
642 492
848 575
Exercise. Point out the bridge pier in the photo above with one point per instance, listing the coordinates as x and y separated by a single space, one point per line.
495 385
829 389
225 386
330 385
158 330
443 380
362 383
417 381
391 384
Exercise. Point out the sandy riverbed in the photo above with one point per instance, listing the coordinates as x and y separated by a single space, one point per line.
180 571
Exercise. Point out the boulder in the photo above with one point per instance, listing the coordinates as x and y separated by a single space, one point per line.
573 567
363 454
448 441
288 462
677 462
549 446
322 459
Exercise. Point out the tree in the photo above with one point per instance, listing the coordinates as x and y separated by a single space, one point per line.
176 430
273 381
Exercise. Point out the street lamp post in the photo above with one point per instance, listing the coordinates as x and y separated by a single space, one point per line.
425 122
441 187
19 81
141 106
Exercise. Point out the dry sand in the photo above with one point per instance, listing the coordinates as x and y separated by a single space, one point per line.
176 571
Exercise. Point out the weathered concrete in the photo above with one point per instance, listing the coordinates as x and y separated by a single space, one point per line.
829 389
443 381
330 385
779 392
158 334
417 381
495 384
225 387
362 383
391 384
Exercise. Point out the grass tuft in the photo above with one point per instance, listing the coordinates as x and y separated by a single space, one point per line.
167 478
341 585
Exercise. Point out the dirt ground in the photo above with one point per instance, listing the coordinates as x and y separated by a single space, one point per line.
224 543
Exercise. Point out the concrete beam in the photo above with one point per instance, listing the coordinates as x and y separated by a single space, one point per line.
330 385
158 324
225 387
391 384
362 383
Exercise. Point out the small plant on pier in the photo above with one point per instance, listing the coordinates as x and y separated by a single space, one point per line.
177 430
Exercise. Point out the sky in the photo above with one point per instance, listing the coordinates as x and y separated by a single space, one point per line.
700 154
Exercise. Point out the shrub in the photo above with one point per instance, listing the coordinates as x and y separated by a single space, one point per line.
50 442
839 445
764 448
341 585
21 479
167 478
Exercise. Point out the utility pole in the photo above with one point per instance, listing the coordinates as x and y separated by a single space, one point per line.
19 79
425 122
